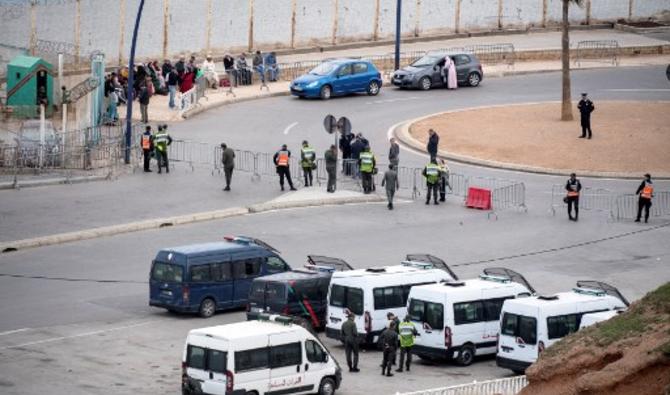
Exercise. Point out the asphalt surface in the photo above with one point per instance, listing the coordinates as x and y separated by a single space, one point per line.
76 320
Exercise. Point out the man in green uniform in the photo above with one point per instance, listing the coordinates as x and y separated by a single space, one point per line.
331 167
432 174
350 336
307 162
161 141
367 163
407 334
389 343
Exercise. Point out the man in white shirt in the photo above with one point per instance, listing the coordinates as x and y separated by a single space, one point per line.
209 71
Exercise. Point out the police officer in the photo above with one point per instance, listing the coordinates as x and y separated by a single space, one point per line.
646 192
307 158
350 337
407 334
389 343
573 187
585 107
367 164
432 174
228 162
281 160
444 180
147 146
161 141
331 167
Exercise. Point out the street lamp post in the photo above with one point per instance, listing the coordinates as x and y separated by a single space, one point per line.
131 82
398 16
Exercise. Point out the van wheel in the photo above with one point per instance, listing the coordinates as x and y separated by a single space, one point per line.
207 308
466 355
327 386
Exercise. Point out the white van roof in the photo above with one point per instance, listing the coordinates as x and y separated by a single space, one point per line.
244 330
389 270
560 300
478 284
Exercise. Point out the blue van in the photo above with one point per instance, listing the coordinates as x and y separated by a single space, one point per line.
204 278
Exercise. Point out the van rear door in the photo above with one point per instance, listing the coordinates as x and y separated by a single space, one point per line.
519 335
206 370
429 320
165 284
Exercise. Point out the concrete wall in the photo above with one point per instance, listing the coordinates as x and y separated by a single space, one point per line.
224 25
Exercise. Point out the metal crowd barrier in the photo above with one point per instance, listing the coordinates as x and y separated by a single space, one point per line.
511 196
506 386
191 97
191 152
598 51
595 199
627 205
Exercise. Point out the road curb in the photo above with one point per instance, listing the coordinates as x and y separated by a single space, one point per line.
158 223
50 181
205 107
401 132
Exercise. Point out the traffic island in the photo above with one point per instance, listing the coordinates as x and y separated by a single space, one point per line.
630 138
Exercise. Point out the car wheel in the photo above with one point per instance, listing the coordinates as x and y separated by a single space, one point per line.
207 308
326 92
327 386
373 88
425 83
466 355
474 79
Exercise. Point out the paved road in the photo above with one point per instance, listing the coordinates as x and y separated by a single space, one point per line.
87 329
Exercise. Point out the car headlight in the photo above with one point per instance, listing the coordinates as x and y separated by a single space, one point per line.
312 84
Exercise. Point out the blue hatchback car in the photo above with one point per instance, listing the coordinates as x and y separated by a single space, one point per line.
338 77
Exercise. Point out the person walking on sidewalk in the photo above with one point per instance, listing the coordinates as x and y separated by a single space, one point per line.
331 167
228 162
390 180
307 162
433 143
281 161
367 163
147 147
144 98
394 153
573 188
585 107
646 192
350 338
161 141
432 174
389 341
407 334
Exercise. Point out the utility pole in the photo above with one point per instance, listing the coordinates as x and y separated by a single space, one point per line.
131 82
398 18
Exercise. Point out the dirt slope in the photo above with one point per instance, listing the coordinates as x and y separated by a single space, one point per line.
628 354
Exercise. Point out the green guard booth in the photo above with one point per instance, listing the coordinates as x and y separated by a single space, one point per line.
29 83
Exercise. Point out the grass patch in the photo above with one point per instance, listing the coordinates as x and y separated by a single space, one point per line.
620 327
659 299
665 349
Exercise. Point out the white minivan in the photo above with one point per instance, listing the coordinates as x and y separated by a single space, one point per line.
529 325
370 294
460 319
266 356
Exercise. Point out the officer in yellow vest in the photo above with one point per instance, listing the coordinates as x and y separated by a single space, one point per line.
147 142
161 141
407 334
366 164
646 192
432 174
307 162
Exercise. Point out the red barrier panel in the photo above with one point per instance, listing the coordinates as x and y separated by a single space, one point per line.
478 198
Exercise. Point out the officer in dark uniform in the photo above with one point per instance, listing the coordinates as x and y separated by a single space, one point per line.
281 160
585 107
147 147
350 338
389 342
646 192
573 187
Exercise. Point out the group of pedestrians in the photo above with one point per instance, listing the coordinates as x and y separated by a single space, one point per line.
396 335
240 72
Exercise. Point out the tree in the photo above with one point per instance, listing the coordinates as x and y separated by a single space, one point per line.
566 108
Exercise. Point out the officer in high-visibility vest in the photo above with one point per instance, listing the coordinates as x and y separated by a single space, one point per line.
573 186
161 141
366 165
432 174
281 160
147 142
407 333
646 192
307 162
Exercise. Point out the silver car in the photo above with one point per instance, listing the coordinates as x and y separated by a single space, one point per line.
426 72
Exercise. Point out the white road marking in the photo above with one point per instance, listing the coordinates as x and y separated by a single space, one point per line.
14 331
289 127
85 334
637 90
392 100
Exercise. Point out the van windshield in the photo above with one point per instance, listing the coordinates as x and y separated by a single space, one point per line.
167 272
347 297
267 292
520 326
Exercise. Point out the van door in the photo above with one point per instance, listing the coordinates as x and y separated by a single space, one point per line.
428 319
222 275
286 365
492 309
316 365
469 324
206 370
245 269
518 337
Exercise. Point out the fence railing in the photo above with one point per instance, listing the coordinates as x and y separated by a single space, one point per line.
627 205
192 97
595 199
598 51
506 386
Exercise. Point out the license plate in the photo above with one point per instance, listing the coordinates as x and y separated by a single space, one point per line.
256 310
166 293
335 320
297 88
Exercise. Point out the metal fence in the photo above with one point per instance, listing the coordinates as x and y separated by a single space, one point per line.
626 206
503 53
598 51
190 98
506 386
595 199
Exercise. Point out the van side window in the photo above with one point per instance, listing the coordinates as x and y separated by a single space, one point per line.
285 355
257 358
468 312
200 274
562 325
275 265
347 297
195 357
428 312
314 352
216 361
520 326
247 268
221 272
388 297
492 308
